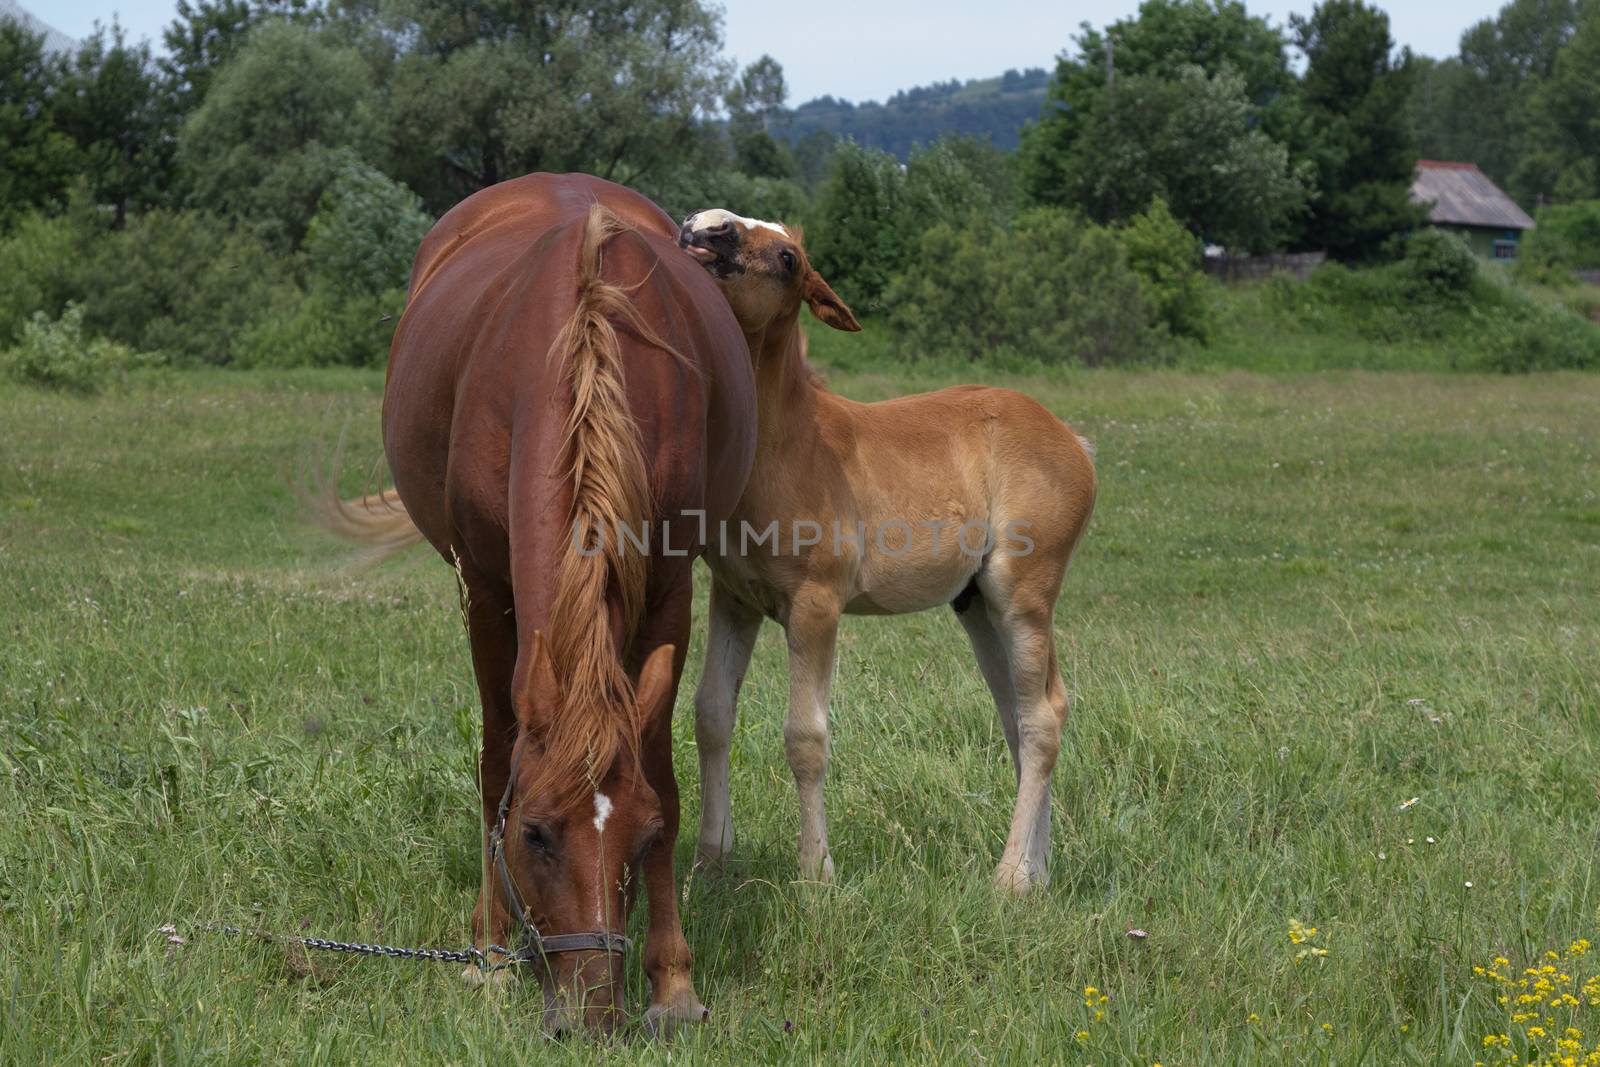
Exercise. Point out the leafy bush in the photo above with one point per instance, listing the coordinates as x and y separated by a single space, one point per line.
1439 263
1438 294
179 282
1516 330
182 282
42 262
56 354
1166 256
365 232
1051 288
1567 237
325 328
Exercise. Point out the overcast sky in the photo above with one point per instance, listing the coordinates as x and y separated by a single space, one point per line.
868 49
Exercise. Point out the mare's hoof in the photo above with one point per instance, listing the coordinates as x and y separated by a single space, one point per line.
474 977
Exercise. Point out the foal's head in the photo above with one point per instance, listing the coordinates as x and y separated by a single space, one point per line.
582 818
762 269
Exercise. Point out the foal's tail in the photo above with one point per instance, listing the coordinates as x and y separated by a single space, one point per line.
378 522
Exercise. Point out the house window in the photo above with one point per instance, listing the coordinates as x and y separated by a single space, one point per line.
1505 250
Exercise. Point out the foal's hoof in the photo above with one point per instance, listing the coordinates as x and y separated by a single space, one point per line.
711 856
1016 880
663 1020
813 871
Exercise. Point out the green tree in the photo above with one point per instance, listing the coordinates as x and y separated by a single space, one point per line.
755 103
856 240
111 103
365 232
1164 38
959 177
1190 140
1443 122
1561 157
276 127
208 33
488 90
1356 91
1504 58
39 160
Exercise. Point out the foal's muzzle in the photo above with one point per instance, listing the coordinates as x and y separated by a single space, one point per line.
714 246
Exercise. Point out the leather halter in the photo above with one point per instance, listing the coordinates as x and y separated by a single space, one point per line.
534 943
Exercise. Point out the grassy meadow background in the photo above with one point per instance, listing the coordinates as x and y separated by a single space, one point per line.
1304 601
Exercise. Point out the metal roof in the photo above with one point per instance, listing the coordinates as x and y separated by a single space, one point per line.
1462 195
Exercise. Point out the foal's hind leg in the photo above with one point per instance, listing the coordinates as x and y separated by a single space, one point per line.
730 637
1020 606
995 664
812 628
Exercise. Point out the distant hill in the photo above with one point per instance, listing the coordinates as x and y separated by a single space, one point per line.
995 108
54 39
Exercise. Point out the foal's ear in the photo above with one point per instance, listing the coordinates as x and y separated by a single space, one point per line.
826 305
655 682
540 690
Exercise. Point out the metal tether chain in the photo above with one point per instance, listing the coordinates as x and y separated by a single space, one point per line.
430 955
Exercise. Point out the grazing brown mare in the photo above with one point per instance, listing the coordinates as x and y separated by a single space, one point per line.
561 366
972 496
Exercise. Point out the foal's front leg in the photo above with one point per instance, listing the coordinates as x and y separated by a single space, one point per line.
812 628
730 637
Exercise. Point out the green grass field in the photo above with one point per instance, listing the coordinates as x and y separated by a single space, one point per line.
1304 601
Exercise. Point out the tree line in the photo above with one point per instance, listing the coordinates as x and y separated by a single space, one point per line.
253 193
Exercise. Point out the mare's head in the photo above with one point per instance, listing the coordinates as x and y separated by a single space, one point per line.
762 269
581 819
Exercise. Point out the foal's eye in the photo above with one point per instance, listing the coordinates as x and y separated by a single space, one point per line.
788 259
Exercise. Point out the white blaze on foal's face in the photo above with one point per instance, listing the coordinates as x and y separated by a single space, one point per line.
707 220
602 812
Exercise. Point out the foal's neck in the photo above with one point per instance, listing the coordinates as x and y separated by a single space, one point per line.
786 387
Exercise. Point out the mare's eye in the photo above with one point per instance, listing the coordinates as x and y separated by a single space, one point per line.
537 835
788 259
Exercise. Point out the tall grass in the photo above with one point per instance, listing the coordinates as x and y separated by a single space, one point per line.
1304 601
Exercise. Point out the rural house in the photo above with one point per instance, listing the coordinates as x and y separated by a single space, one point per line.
1468 204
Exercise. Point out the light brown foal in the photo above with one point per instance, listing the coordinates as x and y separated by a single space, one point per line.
973 496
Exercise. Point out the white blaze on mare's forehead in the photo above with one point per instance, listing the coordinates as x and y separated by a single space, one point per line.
602 811
717 216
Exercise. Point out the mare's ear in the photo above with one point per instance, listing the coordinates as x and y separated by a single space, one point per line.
826 305
655 683
540 692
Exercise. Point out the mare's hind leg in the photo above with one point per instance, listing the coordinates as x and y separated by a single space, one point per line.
1019 596
730 637
995 664
812 628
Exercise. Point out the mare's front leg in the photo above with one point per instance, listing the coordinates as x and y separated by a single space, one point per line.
730 637
668 963
492 630
812 629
